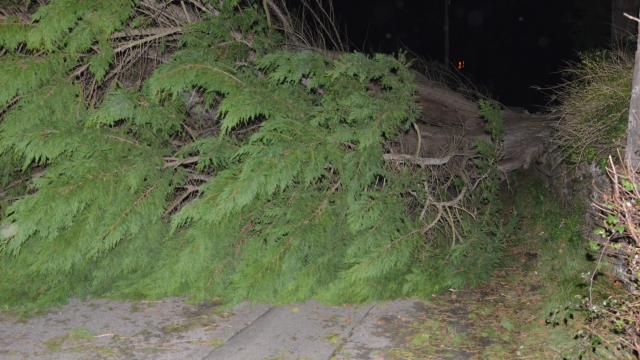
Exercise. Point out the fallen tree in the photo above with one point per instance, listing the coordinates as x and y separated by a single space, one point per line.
232 161
451 118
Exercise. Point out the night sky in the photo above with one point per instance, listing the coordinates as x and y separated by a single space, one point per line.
508 46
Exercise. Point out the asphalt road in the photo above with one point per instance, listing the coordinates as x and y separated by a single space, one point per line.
173 329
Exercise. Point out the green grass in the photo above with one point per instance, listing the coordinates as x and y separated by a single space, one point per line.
507 317
553 234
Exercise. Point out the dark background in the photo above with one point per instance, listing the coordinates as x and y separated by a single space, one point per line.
508 46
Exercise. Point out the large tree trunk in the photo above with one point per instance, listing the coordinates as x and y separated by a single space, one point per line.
632 151
451 125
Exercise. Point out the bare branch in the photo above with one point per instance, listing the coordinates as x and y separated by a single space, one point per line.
631 17
419 138
420 161
186 12
180 199
204 8
9 106
175 162
79 71
144 32
166 32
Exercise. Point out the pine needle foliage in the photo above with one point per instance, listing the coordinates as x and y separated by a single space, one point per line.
287 193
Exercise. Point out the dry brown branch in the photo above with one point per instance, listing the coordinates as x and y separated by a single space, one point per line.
420 161
175 162
143 32
443 209
205 9
265 7
281 12
79 71
318 31
10 105
180 199
123 63
164 12
192 133
186 12
125 140
419 140
160 34
325 21
622 201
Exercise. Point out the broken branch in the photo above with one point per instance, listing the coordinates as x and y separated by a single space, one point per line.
175 162
420 161
166 32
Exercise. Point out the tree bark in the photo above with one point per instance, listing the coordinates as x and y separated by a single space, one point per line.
632 150
451 125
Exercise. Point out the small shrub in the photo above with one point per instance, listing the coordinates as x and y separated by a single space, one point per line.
593 105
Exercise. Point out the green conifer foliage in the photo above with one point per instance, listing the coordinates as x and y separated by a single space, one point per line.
293 198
